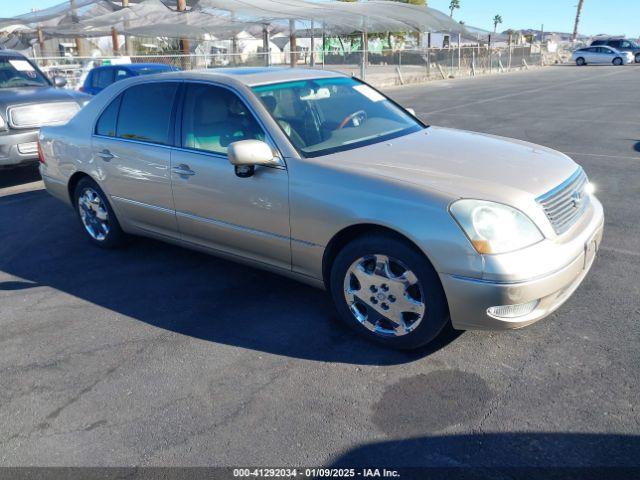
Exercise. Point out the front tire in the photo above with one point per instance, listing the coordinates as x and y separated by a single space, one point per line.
96 216
617 61
388 291
637 57
580 61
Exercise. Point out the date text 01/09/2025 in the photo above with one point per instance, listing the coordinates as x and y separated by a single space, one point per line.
314 473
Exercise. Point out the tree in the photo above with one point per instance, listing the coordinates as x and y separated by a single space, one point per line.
575 25
496 21
455 4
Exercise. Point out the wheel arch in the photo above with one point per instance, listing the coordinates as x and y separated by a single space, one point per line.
350 233
73 182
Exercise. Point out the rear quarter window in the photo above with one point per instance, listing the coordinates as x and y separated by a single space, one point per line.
102 78
106 124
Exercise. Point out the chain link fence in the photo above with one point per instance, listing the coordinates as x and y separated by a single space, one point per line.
381 68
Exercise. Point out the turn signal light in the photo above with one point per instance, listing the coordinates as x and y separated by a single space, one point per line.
512 311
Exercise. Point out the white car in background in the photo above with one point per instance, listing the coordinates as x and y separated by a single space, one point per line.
601 55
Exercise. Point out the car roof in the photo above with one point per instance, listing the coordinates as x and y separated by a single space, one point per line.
134 66
252 76
11 53
143 66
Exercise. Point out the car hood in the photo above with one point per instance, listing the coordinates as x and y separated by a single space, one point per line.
17 96
463 164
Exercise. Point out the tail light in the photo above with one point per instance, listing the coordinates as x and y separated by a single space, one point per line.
81 89
40 154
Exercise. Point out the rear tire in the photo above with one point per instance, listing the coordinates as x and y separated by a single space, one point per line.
617 61
637 57
580 61
401 305
97 218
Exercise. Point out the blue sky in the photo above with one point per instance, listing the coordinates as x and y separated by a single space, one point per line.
616 17
599 16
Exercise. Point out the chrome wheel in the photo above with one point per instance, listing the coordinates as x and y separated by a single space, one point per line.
94 214
384 295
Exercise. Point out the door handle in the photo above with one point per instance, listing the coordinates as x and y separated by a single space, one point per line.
106 155
183 169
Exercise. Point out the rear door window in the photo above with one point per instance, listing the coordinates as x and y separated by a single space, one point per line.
146 111
102 78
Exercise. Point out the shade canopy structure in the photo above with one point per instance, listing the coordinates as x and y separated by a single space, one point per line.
225 18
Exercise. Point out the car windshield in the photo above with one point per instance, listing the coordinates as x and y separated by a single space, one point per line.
328 115
18 72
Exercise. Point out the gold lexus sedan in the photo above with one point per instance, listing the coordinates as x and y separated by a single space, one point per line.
320 177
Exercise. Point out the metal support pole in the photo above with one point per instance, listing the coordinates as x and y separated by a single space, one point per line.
459 53
74 19
490 56
510 52
363 56
541 43
128 45
428 55
41 42
265 46
323 44
313 45
114 41
293 60
184 42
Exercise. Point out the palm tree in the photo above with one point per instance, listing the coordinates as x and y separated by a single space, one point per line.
455 4
575 25
496 20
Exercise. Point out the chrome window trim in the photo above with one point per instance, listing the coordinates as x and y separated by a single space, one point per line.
221 156
129 140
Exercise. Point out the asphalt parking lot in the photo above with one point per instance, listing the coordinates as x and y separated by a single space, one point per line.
155 355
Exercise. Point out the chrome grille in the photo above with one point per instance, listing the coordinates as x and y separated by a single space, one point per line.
567 202
42 114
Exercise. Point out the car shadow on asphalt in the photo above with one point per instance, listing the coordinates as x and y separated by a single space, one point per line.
512 455
182 291
503 455
11 177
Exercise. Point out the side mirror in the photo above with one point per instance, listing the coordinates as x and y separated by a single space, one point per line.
411 111
244 155
59 82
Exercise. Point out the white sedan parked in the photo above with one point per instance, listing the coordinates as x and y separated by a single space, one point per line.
602 55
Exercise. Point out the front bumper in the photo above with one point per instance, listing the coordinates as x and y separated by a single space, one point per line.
469 298
18 148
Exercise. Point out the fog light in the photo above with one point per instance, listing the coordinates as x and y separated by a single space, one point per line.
512 311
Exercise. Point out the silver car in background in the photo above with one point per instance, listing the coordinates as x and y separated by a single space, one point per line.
320 177
28 101
601 55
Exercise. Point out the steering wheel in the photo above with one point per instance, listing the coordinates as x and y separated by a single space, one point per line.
355 118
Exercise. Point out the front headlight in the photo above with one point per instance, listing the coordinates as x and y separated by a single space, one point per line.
494 227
